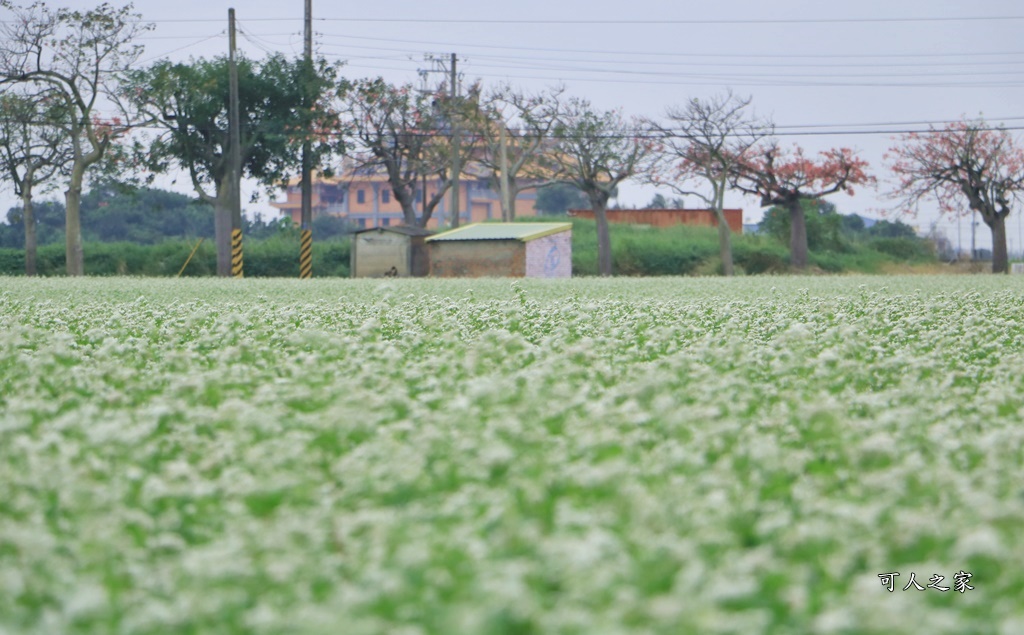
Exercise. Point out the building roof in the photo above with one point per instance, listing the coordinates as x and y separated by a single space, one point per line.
405 230
524 232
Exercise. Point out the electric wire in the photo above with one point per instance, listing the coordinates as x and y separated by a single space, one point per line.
181 48
613 22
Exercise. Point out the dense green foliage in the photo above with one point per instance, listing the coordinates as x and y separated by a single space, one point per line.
146 216
277 98
830 234
681 250
269 257
270 251
449 457
559 198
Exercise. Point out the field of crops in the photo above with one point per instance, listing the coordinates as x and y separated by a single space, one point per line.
654 456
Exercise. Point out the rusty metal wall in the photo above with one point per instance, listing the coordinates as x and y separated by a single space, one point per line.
668 217
477 258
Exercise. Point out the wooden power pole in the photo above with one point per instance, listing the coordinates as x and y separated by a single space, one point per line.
235 157
456 142
306 223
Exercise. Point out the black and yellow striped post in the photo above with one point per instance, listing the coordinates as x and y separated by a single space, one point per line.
306 254
236 253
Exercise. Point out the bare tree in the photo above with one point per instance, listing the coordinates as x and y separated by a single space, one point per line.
786 178
967 161
705 141
81 55
403 133
596 151
514 131
32 150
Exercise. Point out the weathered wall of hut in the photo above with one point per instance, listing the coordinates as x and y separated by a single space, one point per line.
375 253
477 258
550 256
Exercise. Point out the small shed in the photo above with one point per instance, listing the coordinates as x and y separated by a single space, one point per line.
397 251
533 250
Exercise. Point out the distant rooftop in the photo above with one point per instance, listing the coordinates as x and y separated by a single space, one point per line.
398 229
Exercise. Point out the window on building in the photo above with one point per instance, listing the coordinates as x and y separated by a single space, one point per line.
419 196
360 196
362 221
385 222
385 196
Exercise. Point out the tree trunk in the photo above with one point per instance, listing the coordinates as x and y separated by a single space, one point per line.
797 234
1000 261
222 229
511 203
724 243
28 216
73 255
724 234
435 200
604 240
406 198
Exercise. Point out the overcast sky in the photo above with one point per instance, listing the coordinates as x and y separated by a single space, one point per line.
828 73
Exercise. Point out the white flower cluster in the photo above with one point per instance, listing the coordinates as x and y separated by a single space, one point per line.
653 456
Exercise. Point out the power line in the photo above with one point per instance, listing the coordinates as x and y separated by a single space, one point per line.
755 21
772 76
764 81
666 54
704 64
181 48
610 21
252 40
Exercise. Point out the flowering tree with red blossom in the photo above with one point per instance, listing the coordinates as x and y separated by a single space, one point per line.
786 177
701 147
967 161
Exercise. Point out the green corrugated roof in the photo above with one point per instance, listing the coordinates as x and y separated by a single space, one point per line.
502 231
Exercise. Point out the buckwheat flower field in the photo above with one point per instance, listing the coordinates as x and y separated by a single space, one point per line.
413 457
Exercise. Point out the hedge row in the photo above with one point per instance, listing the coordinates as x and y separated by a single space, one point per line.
636 251
263 258
685 251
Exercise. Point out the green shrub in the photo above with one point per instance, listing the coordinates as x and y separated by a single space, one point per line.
636 251
904 248
272 257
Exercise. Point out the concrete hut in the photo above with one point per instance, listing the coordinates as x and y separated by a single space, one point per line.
397 251
533 250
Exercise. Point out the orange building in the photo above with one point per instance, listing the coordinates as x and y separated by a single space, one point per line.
367 201
667 217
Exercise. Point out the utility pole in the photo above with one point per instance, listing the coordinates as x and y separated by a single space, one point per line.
456 149
306 225
439 66
235 157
